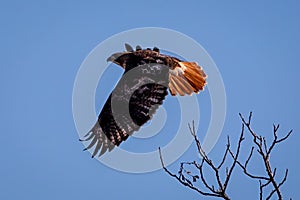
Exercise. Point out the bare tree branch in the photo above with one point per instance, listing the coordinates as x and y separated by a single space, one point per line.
260 190
235 158
265 152
189 179
184 182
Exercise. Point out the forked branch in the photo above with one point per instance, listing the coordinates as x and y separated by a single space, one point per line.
197 181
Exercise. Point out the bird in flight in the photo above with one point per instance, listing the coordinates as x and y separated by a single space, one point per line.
148 76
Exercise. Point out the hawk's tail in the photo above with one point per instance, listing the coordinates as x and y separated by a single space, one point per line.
187 78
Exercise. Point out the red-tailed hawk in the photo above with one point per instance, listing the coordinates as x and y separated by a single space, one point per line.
144 85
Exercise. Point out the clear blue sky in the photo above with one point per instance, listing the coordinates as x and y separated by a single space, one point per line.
255 45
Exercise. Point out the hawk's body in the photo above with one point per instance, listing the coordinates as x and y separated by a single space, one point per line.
143 87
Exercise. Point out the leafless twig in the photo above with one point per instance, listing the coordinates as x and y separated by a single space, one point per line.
190 180
264 151
211 190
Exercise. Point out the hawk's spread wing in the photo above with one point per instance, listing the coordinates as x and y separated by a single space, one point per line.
142 88
132 103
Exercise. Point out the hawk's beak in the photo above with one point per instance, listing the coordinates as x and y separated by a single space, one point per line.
114 57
